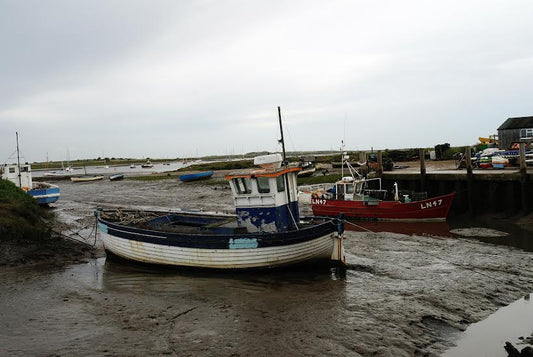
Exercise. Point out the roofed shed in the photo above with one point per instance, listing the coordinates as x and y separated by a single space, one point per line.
514 130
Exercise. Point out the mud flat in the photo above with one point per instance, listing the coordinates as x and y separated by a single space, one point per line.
402 295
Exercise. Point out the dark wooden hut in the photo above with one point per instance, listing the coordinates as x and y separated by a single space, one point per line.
515 130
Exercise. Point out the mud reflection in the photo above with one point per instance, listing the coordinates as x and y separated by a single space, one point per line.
121 275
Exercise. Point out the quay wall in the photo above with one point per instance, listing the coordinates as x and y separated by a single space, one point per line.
508 193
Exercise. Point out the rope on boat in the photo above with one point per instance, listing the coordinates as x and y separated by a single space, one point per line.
128 218
474 270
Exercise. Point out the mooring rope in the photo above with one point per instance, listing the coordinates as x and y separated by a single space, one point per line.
73 234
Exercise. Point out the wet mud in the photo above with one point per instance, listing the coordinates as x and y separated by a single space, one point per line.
403 294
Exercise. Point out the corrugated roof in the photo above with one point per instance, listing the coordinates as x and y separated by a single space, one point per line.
517 123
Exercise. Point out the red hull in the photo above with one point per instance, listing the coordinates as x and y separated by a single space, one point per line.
435 208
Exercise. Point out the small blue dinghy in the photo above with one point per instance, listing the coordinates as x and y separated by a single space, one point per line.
196 176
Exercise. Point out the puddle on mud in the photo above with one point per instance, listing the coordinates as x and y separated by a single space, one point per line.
487 337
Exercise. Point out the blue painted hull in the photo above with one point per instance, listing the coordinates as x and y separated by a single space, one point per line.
264 216
45 196
194 177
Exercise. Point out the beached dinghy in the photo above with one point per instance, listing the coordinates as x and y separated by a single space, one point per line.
265 232
86 178
116 177
196 176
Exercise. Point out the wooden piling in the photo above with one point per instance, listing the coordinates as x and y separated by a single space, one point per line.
523 166
422 169
469 179
468 161
523 178
379 169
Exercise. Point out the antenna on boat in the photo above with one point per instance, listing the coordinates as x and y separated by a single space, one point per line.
285 164
282 141
342 158
18 160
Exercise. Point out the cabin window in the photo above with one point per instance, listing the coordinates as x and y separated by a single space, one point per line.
243 185
526 133
11 170
349 189
280 182
263 184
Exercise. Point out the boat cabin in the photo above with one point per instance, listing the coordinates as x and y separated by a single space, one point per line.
266 200
348 189
12 173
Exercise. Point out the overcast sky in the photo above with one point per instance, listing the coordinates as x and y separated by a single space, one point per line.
167 79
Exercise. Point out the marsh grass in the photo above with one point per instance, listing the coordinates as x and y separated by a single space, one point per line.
21 218
313 180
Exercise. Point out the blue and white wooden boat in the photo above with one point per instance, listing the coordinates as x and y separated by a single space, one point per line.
265 232
196 176
43 192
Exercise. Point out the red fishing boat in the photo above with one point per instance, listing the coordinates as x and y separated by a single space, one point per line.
359 197
434 209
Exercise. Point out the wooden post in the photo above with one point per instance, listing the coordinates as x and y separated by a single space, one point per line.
422 169
379 169
523 167
469 179
523 178
468 161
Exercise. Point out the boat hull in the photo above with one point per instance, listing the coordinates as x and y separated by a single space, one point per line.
86 179
433 209
116 177
197 176
219 251
46 195
307 172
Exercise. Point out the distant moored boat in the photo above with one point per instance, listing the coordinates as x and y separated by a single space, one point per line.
86 178
148 164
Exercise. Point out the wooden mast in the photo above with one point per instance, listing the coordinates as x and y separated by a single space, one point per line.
285 164
18 160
